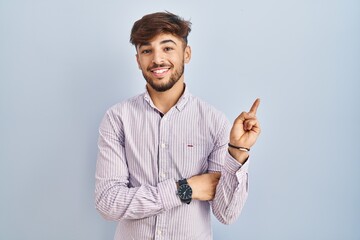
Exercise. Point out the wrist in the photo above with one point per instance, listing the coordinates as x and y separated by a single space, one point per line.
240 156
191 184
184 191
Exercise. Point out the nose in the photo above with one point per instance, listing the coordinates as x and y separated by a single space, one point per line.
158 57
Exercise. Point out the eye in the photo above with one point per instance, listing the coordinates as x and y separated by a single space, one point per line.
167 49
146 51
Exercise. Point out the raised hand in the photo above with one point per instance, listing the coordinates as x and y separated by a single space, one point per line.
245 130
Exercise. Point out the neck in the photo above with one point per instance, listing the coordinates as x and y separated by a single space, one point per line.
164 101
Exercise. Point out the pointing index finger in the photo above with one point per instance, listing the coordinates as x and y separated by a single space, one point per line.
255 106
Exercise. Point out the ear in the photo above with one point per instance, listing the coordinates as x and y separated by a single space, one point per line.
138 61
187 54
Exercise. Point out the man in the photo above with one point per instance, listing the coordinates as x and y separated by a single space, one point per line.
165 156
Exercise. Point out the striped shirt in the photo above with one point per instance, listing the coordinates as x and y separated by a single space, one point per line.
143 154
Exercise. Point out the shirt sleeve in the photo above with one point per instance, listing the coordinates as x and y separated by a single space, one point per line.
114 199
232 189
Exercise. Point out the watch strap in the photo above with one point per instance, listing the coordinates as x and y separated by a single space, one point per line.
183 181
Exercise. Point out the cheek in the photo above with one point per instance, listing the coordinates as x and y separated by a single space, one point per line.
142 65
178 60
141 58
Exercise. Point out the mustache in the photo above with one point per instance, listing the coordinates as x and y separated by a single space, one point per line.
159 66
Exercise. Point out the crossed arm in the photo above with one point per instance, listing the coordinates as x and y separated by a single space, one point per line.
116 200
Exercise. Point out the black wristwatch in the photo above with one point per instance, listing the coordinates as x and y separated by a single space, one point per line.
184 191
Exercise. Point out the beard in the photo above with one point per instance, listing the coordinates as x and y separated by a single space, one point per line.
162 87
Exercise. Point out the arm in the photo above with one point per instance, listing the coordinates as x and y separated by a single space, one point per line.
232 189
115 199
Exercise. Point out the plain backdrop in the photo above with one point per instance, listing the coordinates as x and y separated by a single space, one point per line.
63 63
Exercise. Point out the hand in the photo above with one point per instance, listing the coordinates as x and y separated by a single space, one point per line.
204 185
245 131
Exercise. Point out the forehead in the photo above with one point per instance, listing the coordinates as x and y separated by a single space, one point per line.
162 38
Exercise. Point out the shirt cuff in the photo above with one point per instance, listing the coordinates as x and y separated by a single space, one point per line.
168 194
233 167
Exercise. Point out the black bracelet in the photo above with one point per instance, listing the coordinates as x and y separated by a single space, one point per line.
244 149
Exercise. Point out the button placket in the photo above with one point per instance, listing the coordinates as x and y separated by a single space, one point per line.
163 149
163 165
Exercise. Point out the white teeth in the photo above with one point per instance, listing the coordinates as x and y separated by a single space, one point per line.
160 71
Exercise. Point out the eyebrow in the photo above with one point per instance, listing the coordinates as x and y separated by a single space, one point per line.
166 41
162 42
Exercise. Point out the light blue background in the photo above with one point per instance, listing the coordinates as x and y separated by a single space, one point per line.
63 63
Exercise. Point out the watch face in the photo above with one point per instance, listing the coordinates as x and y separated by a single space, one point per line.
185 191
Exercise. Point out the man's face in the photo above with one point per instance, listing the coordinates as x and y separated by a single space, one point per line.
162 60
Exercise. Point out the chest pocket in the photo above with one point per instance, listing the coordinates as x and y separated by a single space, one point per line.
190 159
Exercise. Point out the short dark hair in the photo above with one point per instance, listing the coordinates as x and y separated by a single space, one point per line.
153 24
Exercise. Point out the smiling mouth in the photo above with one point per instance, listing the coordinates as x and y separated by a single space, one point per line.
160 72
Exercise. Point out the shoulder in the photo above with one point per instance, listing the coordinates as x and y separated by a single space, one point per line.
120 113
126 105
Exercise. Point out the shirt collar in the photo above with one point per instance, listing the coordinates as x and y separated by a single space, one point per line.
183 99
180 103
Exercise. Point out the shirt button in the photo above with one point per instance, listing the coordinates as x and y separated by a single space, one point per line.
163 175
159 232
163 145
